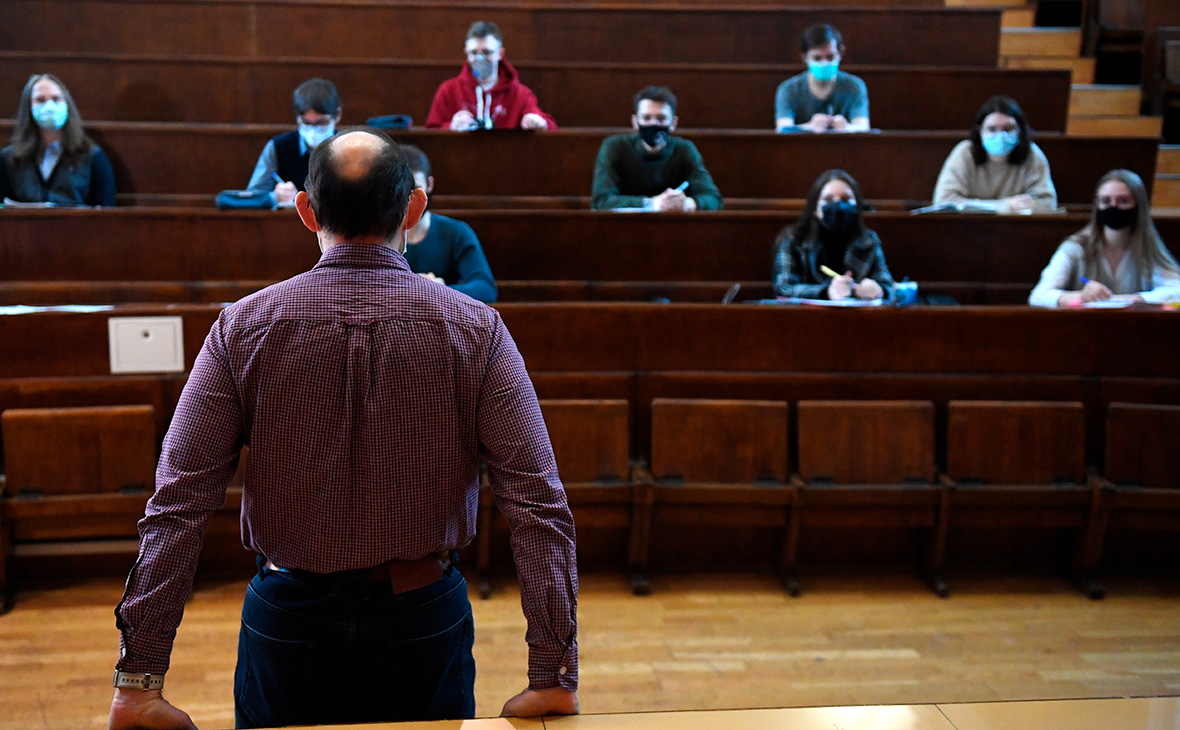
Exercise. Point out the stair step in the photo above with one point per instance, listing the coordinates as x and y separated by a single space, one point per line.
1040 41
1082 69
1166 191
1099 125
1018 18
1168 160
1108 100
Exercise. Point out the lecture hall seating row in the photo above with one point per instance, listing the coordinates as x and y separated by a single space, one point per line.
189 164
642 353
435 31
860 464
115 87
81 473
173 255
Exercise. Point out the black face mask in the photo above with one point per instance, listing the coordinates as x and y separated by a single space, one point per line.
654 135
1117 219
838 216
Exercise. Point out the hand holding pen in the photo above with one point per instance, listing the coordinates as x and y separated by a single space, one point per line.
673 199
284 191
843 287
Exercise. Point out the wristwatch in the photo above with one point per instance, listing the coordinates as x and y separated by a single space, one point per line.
138 680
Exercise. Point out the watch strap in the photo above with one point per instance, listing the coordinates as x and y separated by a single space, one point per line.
138 680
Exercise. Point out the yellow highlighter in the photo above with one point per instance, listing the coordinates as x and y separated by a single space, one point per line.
829 272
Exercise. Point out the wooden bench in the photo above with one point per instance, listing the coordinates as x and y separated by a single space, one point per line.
870 465
720 467
591 444
156 160
250 90
1022 465
1141 471
74 474
424 30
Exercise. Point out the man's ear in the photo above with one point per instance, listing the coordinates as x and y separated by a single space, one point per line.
634 122
339 113
672 126
430 185
306 214
415 209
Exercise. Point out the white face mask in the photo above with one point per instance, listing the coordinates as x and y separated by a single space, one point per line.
313 134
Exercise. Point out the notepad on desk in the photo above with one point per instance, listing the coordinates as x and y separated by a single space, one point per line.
850 302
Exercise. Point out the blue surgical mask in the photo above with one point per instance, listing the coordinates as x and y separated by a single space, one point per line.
823 70
999 144
313 134
482 68
51 115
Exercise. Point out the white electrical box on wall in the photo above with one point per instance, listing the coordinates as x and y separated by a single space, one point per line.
146 344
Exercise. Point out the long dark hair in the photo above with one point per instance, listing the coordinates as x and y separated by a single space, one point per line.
26 135
807 225
1008 106
1147 249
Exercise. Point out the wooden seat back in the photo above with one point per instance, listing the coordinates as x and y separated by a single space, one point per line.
866 442
1013 442
590 439
64 451
727 441
1143 445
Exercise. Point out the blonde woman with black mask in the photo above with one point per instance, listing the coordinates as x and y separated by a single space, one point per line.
1117 256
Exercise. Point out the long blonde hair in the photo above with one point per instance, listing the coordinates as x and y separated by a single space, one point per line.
1147 248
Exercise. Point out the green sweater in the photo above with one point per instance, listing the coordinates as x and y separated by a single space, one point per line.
626 173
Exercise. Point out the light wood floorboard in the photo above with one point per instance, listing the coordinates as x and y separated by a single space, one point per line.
698 643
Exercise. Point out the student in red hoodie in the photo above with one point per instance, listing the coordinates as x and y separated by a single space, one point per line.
486 94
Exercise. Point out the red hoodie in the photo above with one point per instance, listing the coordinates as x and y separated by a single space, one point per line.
506 103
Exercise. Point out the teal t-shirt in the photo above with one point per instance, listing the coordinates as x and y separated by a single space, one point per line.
849 97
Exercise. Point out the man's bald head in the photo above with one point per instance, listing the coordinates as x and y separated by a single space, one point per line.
359 185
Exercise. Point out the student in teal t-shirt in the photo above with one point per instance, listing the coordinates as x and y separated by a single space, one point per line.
650 169
823 98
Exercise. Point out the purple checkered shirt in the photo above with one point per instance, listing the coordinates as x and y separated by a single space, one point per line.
368 396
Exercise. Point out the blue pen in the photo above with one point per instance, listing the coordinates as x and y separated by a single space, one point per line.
682 187
278 180
1085 281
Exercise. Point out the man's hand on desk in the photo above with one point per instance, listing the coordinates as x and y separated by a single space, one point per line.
139 709
285 193
535 703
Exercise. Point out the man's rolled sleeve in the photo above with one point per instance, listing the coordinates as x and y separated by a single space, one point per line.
199 457
528 492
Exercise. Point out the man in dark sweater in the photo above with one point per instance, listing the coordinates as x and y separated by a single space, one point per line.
650 169
443 249
282 166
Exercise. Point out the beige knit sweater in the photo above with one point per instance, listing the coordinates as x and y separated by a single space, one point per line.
961 180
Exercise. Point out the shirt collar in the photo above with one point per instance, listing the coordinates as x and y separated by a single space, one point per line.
362 256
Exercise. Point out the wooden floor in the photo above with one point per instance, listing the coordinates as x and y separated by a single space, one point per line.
698 643
1120 714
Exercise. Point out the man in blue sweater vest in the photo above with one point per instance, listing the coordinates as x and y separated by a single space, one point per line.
282 166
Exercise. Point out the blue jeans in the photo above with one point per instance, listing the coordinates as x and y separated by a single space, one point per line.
316 650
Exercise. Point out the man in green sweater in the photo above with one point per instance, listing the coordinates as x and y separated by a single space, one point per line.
650 169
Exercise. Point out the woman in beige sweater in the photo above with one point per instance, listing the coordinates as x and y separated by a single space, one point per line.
1117 256
999 167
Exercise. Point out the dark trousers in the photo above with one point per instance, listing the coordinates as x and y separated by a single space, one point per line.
321 650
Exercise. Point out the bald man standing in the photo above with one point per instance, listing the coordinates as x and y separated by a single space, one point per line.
368 396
